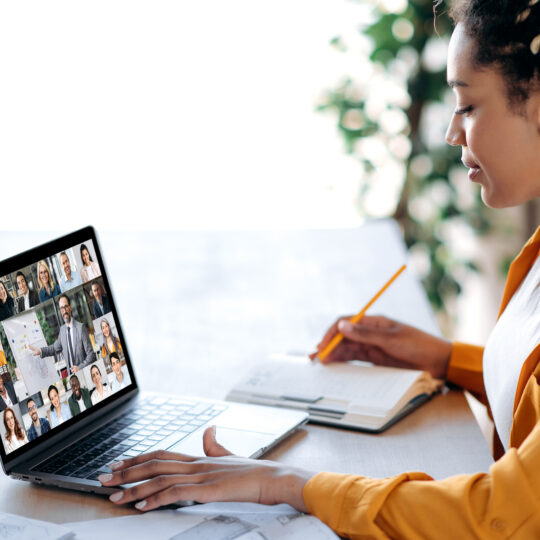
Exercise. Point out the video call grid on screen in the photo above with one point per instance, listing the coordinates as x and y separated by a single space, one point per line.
42 386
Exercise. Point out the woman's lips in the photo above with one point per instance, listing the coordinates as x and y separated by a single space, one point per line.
474 172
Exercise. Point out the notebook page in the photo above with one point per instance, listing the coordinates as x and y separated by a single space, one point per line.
366 388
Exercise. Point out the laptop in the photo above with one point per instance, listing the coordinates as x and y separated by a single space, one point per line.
69 398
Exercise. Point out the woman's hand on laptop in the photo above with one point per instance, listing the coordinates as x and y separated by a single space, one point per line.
168 477
386 342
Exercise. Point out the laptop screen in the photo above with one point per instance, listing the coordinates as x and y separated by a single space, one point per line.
62 353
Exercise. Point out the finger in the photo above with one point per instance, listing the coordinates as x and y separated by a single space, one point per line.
330 333
151 469
143 458
176 493
151 487
211 446
207 488
363 333
348 350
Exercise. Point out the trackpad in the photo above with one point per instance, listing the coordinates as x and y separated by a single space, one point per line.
237 441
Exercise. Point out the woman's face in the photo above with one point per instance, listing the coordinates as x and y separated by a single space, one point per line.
10 421
85 257
43 275
106 329
96 377
500 146
3 293
54 397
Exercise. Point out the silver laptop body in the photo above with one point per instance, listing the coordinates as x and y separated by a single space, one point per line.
79 429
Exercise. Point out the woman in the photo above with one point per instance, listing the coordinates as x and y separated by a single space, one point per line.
90 269
110 342
6 303
59 411
15 436
47 287
494 71
100 391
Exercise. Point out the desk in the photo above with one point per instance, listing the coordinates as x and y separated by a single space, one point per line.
203 307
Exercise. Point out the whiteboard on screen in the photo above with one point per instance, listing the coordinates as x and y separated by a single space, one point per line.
22 331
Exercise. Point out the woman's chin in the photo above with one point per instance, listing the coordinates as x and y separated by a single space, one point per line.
496 200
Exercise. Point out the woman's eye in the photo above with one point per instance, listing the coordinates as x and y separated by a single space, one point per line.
464 110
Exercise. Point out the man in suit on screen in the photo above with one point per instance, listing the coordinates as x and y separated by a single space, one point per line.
72 340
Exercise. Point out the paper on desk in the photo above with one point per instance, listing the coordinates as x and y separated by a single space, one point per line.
13 527
364 387
213 521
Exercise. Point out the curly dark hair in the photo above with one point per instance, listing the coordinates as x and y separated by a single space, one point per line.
503 32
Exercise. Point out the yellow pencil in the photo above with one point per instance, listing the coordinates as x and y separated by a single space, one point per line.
338 337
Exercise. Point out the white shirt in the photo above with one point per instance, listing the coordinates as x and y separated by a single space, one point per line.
96 398
8 401
15 443
515 335
90 272
117 385
27 300
82 406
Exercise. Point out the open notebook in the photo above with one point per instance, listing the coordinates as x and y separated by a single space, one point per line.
355 395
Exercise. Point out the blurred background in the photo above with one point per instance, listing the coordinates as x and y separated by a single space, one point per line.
248 115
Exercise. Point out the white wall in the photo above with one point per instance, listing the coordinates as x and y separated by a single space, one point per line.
170 114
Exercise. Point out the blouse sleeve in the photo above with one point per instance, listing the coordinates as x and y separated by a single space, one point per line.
465 369
503 503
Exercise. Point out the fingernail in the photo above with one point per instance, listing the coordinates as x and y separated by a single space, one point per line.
140 505
116 465
105 477
115 497
344 326
214 430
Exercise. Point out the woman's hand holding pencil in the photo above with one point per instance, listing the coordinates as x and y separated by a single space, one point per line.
386 342
383 341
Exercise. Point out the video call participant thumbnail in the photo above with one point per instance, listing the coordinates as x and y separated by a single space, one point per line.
8 397
101 391
15 435
59 411
121 377
110 342
71 277
6 303
80 399
27 298
39 425
72 341
47 287
90 269
101 304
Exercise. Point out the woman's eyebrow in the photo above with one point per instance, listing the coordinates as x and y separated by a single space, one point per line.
452 83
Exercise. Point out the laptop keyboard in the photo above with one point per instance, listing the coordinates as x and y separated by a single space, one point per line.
155 423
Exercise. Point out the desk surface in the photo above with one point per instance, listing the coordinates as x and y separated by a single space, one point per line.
202 306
